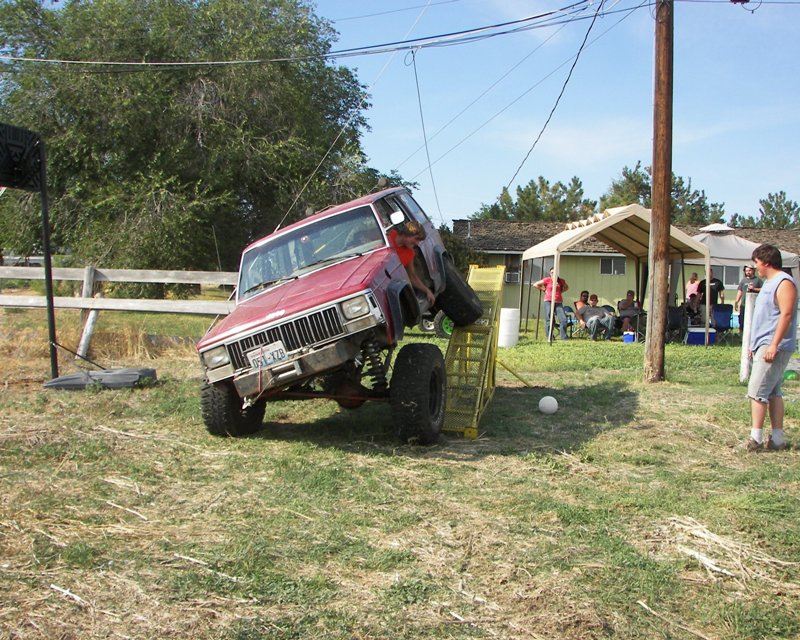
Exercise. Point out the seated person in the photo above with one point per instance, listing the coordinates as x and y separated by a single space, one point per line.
404 240
582 301
593 318
693 311
629 308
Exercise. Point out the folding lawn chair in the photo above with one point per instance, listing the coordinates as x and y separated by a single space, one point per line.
723 322
573 324
676 324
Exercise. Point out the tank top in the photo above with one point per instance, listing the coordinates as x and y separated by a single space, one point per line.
766 314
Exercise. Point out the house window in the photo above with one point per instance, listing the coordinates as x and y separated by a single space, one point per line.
612 266
513 264
730 276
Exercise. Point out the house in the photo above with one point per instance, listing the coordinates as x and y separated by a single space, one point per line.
590 265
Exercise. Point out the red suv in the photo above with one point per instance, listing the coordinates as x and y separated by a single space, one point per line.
320 307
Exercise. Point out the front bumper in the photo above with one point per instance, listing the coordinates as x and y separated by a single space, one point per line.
254 382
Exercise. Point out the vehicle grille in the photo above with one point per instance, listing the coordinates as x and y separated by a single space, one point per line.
307 331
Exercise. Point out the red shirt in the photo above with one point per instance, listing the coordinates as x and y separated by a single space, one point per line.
548 284
406 254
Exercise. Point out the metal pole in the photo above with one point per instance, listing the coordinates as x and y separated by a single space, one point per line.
48 268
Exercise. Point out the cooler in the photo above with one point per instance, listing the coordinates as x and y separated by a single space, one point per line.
697 335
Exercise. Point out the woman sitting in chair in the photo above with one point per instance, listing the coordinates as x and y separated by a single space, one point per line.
629 308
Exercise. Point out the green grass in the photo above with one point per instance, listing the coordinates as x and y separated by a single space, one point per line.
323 526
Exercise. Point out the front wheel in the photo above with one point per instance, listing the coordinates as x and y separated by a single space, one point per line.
417 393
223 415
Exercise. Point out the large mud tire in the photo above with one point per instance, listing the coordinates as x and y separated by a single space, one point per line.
417 393
458 300
223 415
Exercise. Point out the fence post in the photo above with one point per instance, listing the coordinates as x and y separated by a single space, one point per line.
89 319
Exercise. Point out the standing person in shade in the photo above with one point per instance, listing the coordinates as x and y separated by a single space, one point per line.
772 342
692 286
716 294
557 299
749 284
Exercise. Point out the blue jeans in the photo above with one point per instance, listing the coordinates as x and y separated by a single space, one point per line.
560 315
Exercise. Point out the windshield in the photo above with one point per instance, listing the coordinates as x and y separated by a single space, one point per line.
292 254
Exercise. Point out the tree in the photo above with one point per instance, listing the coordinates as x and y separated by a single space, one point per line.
539 200
463 256
776 212
689 206
167 167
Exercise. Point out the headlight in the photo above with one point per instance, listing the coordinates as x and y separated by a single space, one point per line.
216 357
355 307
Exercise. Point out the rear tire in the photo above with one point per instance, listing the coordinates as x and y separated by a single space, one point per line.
417 393
458 300
223 415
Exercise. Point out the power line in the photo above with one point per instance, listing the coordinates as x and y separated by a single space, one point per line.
628 13
425 136
386 13
561 93
443 39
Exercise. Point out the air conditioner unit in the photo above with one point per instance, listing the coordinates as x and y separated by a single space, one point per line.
513 277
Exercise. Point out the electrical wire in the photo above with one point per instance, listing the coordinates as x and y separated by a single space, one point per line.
356 112
484 93
628 13
425 136
386 13
561 93
444 39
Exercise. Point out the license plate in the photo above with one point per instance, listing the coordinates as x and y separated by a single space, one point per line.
268 355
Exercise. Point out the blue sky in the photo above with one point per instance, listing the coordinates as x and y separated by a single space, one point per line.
736 120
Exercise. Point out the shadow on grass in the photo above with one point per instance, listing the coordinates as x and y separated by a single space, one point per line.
511 424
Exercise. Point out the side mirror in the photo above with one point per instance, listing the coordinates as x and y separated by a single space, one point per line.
397 217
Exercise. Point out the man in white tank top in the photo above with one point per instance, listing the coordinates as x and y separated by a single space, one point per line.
772 342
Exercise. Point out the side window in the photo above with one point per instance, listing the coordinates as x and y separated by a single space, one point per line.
385 208
413 208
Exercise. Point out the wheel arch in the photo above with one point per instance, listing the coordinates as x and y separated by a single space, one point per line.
404 307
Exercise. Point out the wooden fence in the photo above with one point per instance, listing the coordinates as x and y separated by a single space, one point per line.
91 276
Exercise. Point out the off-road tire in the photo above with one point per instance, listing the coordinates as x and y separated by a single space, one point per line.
458 300
443 325
417 393
221 408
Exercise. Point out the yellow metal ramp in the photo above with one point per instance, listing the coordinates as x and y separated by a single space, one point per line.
471 355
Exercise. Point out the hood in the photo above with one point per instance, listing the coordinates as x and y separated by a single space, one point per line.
309 291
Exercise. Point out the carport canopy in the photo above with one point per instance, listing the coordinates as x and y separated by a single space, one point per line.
624 229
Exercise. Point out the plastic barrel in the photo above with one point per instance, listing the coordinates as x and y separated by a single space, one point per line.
508 334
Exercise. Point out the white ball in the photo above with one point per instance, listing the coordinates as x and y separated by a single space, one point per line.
548 405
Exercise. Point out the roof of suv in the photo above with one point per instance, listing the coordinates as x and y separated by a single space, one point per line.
368 199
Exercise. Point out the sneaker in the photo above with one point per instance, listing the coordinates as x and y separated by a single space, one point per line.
752 445
775 447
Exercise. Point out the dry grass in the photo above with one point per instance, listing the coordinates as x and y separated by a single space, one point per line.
629 514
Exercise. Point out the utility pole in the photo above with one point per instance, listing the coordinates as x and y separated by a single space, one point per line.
661 197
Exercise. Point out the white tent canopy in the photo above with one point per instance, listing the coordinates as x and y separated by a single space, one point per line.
625 229
729 250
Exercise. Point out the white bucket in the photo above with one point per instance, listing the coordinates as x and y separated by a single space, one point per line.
509 328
